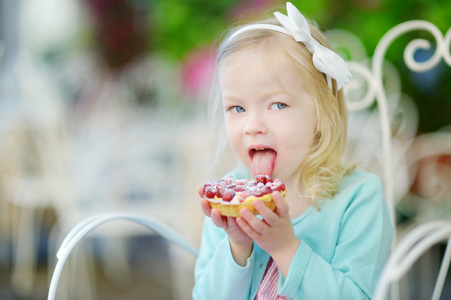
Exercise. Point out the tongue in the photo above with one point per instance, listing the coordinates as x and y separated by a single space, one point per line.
263 162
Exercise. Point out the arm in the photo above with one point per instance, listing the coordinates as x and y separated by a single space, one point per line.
240 242
224 266
362 247
217 275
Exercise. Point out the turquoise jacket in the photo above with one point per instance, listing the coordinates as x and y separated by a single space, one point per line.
343 248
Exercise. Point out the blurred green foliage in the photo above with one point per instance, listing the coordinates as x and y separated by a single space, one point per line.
178 26
175 28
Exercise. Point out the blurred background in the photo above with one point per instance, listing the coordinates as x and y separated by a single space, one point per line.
103 107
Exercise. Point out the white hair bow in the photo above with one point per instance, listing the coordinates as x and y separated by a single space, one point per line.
324 59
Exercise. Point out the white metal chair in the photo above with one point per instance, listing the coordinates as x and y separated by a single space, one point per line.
373 79
81 230
394 152
431 174
409 250
31 136
135 179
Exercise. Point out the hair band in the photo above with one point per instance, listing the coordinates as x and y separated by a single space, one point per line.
294 24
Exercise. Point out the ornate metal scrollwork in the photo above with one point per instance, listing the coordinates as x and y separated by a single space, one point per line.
376 91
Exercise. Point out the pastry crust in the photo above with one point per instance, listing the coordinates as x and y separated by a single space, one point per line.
233 210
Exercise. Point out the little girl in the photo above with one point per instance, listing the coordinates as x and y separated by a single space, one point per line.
285 116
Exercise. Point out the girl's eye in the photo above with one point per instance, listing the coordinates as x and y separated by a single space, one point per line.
278 106
237 109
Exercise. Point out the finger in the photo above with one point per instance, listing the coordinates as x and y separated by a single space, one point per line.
267 214
217 218
206 208
231 223
201 192
256 224
282 207
244 225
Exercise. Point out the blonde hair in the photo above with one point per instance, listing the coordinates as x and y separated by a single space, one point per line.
319 173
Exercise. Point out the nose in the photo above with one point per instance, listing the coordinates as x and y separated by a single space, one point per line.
255 124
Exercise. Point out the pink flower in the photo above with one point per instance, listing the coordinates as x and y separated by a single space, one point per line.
197 71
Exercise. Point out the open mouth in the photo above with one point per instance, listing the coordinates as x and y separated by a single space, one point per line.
262 160
253 151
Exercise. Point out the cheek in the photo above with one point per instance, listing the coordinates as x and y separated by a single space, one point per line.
299 138
229 128
235 139
232 132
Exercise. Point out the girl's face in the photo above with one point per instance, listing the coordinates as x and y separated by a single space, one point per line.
269 117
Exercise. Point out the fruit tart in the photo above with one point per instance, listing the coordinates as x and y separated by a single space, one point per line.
230 195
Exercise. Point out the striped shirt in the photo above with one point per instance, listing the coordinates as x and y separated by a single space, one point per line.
268 286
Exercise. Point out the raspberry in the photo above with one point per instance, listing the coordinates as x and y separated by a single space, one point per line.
232 186
263 178
239 188
210 192
278 185
228 195
220 191
267 190
258 193
228 179
262 190
244 195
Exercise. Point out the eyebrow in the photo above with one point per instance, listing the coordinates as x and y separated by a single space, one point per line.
230 99
266 95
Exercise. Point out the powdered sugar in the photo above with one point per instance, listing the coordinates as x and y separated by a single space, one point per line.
235 191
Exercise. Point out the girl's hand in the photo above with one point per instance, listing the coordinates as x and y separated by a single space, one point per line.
240 242
274 233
